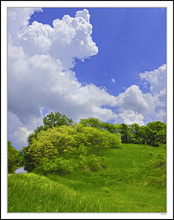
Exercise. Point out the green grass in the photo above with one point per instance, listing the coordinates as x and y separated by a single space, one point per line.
134 181
35 193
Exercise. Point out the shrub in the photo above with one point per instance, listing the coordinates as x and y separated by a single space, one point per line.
91 162
58 165
53 147
114 140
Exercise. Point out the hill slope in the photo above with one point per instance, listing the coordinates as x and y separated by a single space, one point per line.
134 181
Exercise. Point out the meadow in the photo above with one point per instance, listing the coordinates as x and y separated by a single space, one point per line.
133 180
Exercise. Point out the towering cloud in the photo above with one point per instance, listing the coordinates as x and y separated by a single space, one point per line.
40 76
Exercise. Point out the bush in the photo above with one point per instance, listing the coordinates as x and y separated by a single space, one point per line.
53 147
91 162
96 139
58 165
114 140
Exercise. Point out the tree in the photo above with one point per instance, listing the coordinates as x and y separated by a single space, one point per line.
157 134
96 139
154 133
92 122
58 144
113 128
49 144
26 159
125 133
135 134
96 123
157 125
13 158
57 119
49 121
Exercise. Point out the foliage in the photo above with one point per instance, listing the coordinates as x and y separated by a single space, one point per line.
49 121
68 142
58 165
155 168
50 144
13 158
57 119
60 140
154 133
125 133
94 122
26 159
92 138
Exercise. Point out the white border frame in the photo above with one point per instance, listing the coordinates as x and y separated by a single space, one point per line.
87 4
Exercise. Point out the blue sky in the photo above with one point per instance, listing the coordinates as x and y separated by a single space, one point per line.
130 41
108 63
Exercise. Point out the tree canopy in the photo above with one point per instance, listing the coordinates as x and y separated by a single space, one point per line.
61 145
64 142
49 121
13 158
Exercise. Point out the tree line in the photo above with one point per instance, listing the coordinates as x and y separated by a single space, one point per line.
154 133
61 145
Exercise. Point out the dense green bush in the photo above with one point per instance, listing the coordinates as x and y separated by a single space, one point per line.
57 145
58 165
91 162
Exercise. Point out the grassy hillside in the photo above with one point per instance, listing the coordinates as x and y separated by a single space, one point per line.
133 181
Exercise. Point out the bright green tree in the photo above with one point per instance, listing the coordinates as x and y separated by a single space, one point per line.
59 145
49 144
49 121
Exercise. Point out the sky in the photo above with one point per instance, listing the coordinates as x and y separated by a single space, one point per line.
106 63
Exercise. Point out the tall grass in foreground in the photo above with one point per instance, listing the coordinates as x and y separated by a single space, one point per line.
134 181
35 193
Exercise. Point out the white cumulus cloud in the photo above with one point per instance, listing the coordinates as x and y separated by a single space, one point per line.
18 18
130 117
157 79
40 62
40 59
68 39
21 135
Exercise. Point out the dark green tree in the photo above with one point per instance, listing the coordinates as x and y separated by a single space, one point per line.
92 122
49 121
135 136
27 161
13 158
125 133
154 133
157 125
57 119
157 133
